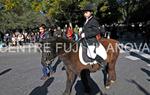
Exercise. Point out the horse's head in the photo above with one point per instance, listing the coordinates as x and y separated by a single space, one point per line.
48 49
53 47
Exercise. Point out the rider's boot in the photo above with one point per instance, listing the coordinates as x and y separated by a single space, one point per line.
101 62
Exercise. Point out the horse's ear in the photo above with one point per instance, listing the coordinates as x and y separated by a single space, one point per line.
51 39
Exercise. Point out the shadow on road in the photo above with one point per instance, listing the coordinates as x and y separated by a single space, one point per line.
147 72
56 65
139 56
42 90
94 88
139 87
5 71
148 80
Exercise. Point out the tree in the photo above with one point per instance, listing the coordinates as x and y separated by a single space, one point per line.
19 14
142 13
30 13
108 12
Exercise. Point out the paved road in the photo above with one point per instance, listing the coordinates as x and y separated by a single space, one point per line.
20 75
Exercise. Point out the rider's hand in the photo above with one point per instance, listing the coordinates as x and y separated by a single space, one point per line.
83 35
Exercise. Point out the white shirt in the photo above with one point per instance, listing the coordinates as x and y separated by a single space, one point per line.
87 19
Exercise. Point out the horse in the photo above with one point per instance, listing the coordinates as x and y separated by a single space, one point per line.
59 47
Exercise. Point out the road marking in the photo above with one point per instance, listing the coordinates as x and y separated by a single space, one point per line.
136 58
148 65
132 58
127 51
146 56
134 50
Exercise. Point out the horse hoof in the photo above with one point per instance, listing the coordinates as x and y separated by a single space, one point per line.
112 81
107 87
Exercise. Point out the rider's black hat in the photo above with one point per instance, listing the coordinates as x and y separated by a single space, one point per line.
89 7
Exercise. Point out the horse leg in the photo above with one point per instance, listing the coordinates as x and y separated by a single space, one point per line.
71 77
85 74
111 74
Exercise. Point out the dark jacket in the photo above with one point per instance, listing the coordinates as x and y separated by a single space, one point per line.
44 36
91 29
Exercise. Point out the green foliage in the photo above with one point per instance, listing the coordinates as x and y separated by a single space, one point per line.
84 3
30 13
19 14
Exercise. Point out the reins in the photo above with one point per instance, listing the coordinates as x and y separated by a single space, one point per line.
72 45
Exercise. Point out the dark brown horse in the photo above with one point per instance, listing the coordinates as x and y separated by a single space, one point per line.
60 47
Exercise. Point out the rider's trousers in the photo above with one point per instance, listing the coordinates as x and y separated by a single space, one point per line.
93 51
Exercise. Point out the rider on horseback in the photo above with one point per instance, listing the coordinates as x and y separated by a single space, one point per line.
89 33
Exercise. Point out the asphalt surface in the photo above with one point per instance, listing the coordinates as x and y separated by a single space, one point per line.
20 74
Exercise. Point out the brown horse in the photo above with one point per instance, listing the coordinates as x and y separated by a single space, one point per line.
74 68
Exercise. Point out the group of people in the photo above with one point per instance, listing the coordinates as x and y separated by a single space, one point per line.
17 38
68 32
21 38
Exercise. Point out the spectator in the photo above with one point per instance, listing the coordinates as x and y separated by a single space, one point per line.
33 38
76 33
64 32
37 36
43 33
58 32
28 37
51 30
14 40
7 39
20 39
55 30
69 32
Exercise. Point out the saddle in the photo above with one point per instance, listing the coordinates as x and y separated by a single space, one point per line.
91 64
85 59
